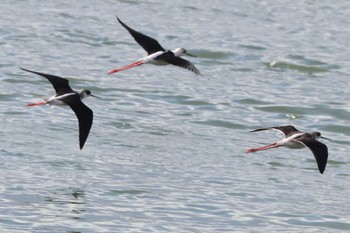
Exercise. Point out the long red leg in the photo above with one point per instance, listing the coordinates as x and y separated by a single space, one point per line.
36 104
272 145
137 63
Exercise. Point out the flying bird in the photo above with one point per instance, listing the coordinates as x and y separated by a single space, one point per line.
66 96
295 139
156 53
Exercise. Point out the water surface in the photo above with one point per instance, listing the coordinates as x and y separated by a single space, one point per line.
166 150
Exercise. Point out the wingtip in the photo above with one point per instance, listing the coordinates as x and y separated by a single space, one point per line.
81 145
321 166
252 131
119 20
31 71
322 169
260 129
25 69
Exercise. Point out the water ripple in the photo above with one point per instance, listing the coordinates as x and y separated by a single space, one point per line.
166 150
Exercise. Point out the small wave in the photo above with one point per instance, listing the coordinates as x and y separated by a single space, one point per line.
128 192
298 67
219 123
210 54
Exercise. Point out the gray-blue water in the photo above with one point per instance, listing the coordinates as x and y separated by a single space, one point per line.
166 150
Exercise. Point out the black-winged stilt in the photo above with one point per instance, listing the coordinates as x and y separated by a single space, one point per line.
295 139
156 53
66 96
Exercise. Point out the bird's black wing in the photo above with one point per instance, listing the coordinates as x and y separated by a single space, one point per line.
84 115
61 85
319 150
286 130
147 43
178 61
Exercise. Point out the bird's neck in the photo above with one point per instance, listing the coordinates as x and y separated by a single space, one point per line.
82 95
177 52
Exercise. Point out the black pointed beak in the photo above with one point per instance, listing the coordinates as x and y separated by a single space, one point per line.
191 55
326 138
96 96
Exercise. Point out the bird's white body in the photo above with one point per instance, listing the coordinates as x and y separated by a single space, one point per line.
57 100
288 142
151 58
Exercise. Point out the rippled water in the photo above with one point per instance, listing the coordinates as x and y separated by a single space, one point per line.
166 150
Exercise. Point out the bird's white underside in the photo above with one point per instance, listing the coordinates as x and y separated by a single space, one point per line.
57 100
288 142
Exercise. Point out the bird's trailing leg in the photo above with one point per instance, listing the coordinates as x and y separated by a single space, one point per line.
272 145
137 63
36 104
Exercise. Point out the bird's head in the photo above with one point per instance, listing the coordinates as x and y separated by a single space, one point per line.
85 93
178 52
317 135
